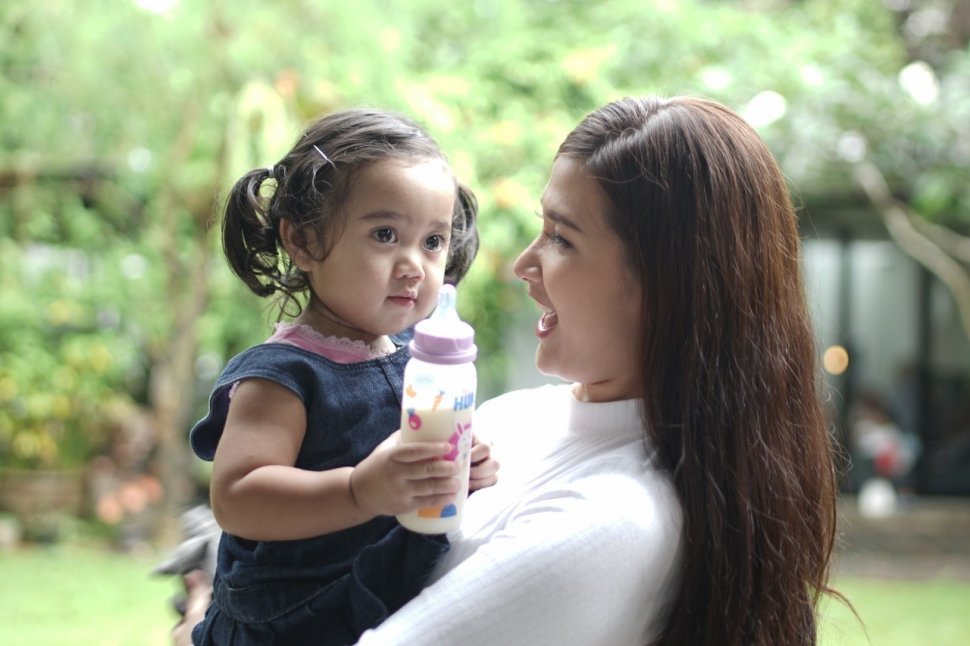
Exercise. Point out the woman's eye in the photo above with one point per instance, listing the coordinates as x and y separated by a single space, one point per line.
387 236
553 233
557 239
434 243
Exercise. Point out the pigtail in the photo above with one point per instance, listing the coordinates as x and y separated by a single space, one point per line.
311 182
464 235
250 237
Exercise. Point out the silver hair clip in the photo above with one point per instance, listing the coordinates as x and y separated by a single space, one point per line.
325 158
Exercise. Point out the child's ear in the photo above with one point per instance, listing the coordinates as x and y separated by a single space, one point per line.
296 244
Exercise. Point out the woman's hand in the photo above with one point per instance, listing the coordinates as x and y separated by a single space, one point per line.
484 469
400 478
198 592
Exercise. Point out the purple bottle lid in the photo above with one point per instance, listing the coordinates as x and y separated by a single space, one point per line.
443 337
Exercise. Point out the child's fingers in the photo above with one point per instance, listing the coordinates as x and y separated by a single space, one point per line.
434 491
429 470
480 452
474 484
437 486
420 451
484 471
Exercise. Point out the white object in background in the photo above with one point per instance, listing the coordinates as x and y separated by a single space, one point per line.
877 498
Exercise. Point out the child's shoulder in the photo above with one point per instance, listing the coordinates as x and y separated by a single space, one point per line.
285 361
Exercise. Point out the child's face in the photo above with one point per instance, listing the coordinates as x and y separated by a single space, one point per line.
385 268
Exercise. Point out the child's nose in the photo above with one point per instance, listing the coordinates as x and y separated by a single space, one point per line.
410 266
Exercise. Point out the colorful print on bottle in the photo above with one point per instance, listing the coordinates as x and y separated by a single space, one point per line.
434 422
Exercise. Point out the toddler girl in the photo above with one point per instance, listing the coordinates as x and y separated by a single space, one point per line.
364 223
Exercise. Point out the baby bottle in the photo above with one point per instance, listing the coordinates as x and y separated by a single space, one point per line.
438 402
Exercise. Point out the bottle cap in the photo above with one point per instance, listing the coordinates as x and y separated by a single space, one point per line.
443 337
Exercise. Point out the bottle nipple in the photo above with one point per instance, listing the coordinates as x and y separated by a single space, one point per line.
447 301
443 337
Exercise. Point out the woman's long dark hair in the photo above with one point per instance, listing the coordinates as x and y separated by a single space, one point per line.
728 361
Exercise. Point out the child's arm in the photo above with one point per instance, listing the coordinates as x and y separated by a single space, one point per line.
258 494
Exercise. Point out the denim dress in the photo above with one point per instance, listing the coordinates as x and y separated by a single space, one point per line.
328 589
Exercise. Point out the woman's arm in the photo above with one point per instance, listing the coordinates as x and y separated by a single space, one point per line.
564 570
258 494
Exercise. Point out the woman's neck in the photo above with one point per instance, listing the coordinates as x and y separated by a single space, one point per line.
606 391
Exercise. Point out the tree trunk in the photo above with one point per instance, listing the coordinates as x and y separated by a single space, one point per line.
172 380
936 248
171 393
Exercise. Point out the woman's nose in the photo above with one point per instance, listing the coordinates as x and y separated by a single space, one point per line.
526 266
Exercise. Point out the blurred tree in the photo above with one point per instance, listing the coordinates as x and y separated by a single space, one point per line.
123 123
924 198
888 120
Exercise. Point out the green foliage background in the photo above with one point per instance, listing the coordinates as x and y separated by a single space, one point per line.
122 124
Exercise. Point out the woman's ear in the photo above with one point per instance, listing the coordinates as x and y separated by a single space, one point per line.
296 244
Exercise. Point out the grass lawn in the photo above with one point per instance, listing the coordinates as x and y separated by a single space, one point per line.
898 613
84 596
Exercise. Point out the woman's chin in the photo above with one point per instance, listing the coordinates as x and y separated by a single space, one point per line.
548 366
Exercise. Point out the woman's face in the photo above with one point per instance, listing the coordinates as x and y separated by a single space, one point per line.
590 325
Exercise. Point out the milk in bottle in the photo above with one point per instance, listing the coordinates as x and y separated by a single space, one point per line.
439 401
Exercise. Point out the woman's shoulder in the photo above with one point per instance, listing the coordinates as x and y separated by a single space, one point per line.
626 490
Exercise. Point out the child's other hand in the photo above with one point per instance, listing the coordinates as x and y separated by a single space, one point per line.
484 470
400 478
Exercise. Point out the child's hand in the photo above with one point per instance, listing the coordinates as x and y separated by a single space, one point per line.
400 478
484 470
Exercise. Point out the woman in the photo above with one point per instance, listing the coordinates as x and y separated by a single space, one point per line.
682 489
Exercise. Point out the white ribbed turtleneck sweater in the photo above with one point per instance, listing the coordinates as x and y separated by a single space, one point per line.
577 544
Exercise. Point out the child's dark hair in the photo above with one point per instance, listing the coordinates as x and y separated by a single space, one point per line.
312 180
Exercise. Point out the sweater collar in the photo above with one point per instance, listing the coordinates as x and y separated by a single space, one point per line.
619 417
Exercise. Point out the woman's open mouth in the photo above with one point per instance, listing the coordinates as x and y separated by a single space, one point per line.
546 323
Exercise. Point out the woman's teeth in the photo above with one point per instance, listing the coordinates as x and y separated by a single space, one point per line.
548 321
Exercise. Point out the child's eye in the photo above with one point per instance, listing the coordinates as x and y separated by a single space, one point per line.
385 235
434 243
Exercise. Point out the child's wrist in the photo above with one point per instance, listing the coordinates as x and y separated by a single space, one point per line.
353 492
